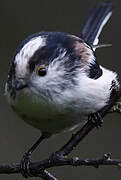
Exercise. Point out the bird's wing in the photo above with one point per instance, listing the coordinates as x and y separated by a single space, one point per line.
95 21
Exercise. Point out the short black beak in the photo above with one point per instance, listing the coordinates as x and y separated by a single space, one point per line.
19 85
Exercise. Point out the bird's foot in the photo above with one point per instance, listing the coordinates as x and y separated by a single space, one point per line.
25 165
96 119
116 108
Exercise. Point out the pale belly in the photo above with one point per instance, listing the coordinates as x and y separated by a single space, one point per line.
44 115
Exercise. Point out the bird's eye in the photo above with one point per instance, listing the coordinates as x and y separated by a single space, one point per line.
41 71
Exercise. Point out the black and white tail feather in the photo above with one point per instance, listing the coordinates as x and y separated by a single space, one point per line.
95 21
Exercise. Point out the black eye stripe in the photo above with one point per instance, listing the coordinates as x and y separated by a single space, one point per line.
32 66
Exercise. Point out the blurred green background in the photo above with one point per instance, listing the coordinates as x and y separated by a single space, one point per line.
19 19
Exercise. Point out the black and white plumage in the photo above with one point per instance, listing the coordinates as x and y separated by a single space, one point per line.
55 81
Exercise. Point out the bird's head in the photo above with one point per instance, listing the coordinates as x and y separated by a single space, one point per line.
47 64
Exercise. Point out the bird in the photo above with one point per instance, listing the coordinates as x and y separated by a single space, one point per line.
55 81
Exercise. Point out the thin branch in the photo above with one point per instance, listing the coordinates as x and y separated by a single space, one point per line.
35 167
44 174
76 138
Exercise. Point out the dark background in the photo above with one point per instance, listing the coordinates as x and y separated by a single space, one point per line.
19 19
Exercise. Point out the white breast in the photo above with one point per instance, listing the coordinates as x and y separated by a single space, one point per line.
45 115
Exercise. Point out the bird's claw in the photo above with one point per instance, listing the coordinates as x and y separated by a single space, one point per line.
96 119
25 165
116 108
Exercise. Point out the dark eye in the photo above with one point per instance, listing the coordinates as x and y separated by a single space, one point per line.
41 71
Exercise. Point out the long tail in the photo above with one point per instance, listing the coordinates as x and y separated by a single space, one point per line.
95 21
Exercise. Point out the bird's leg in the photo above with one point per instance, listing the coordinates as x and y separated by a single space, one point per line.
25 162
96 119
